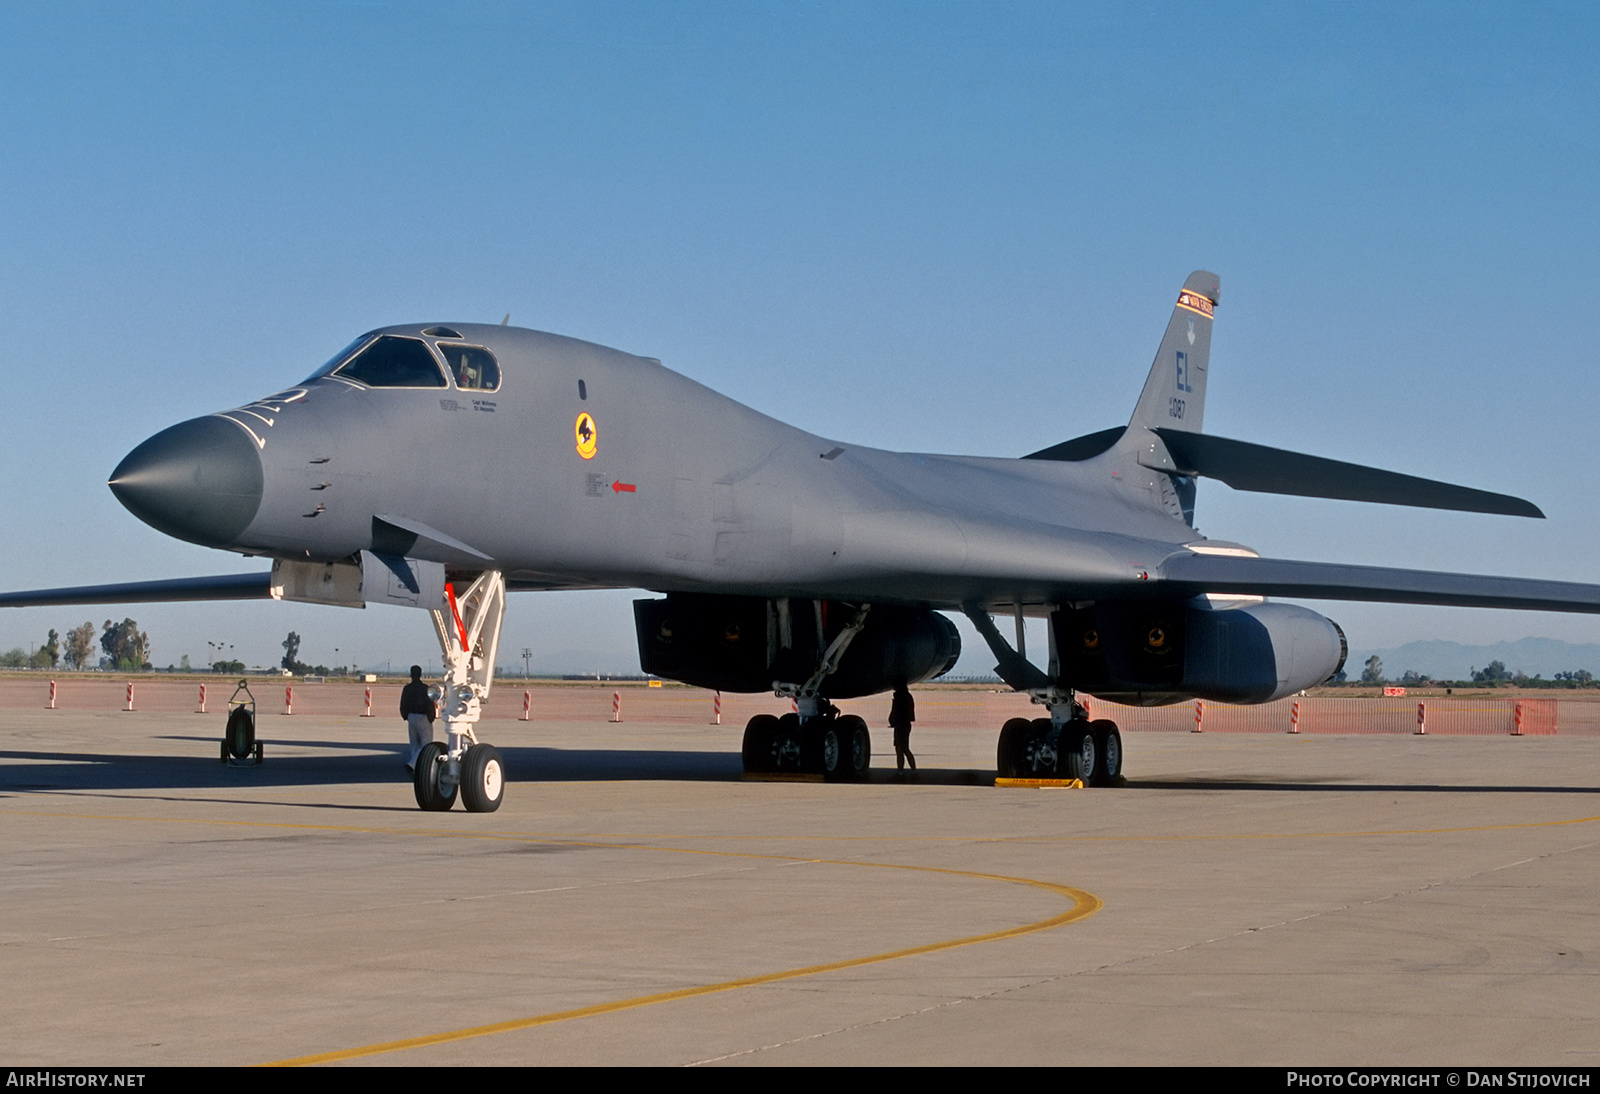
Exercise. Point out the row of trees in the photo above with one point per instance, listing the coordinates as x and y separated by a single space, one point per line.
126 648
1495 672
123 646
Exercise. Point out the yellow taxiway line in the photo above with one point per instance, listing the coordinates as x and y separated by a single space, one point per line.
1081 905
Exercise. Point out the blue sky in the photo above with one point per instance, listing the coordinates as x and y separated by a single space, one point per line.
946 227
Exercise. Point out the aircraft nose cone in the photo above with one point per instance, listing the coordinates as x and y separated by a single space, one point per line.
199 481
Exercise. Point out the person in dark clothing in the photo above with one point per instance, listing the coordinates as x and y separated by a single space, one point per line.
419 711
902 712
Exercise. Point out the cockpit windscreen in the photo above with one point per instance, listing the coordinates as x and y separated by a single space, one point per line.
333 362
391 361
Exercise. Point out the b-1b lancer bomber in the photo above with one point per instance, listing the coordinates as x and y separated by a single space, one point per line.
441 466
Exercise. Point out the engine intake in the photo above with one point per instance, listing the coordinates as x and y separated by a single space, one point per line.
745 644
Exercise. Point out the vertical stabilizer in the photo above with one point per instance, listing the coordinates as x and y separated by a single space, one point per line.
1174 396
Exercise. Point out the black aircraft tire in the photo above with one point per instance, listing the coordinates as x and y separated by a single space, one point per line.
1079 753
811 745
857 740
425 779
1008 752
483 779
239 738
1108 746
756 751
833 750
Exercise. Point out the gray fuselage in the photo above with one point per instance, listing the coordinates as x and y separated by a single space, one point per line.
685 490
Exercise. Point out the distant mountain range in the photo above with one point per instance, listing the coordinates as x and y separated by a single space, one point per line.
1442 660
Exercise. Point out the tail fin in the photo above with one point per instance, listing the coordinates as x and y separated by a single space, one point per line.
1159 454
1174 396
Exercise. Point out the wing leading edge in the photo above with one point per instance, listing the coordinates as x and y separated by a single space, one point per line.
1195 573
1186 574
170 591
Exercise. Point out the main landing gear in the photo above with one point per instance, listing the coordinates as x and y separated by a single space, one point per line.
836 746
469 638
816 739
1072 747
1066 745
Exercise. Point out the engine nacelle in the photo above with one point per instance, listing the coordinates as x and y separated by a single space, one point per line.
1149 654
1260 652
741 643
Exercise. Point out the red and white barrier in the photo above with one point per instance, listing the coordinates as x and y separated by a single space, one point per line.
1468 714
202 709
527 706
1199 715
368 712
716 708
616 706
130 696
52 705
1516 721
288 700
1294 717
1422 719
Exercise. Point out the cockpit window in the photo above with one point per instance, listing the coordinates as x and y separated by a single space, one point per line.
394 362
473 367
333 362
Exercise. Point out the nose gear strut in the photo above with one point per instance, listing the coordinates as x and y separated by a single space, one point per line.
469 639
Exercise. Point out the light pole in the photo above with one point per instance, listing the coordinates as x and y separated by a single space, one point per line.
526 653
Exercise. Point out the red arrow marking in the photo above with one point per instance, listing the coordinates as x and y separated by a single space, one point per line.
623 488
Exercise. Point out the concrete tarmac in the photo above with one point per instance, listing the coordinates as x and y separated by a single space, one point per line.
1257 899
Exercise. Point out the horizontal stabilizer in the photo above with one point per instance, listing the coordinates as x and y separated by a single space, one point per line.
1256 467
173 590
1193 574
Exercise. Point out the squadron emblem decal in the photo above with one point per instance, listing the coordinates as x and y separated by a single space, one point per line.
586 435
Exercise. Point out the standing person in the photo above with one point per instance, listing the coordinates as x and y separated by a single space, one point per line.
418 709
902 712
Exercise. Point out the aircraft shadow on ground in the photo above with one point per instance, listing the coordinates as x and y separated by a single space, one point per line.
1319 784
364 764
25 771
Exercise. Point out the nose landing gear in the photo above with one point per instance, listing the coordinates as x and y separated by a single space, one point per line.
469 638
